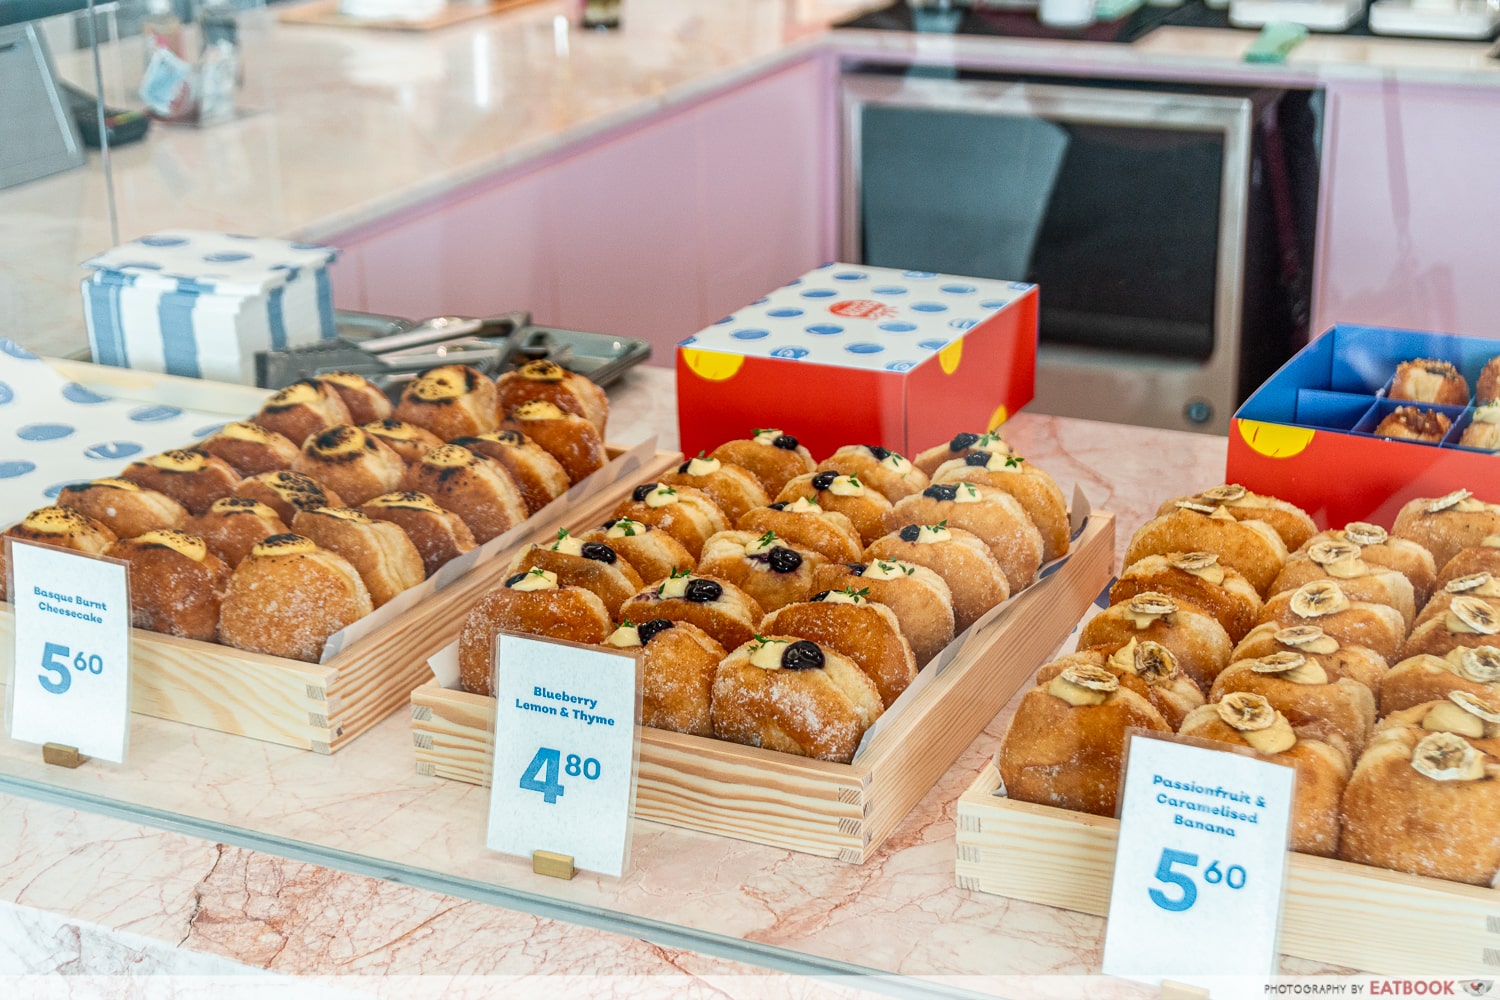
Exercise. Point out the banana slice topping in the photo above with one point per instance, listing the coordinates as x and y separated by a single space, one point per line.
1319 598
1154 663
1149 605
1204 565
1308 639
1292 667
1446 757
1338 558
1480 664
1470 615
1365 533
1080 685
1228 493
1254 718
1479 583
1451 500
1201 508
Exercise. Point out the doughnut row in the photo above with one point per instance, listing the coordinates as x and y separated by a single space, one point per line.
275 532
1429 380
781 602
1367 659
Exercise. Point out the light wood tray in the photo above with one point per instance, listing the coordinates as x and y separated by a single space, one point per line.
326 13
1335 911
842 811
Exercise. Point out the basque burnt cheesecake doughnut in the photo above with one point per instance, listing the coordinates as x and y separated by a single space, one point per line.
1035 490
1412 423
807 525
288 596
1377 547
888 473
352 462
476 488
438 534
231 527
678 664
1325 604
540 477
302 408
960 447
1359 580
249 448
287 492
1363 664
919 598
716 606
63 527
551 382
1428 380
1197 579
995 516
594 566
1297 686
379 551
770 456
1289 521
126 508
789 694
1250 546
1474 670
572 440
865 508
685 513
655 554
974 577
451 401
534 603
364 400
866 632
764 566
1145 667
733 488
407 440
1066 745
176 583
1448 524
1198 642
193 478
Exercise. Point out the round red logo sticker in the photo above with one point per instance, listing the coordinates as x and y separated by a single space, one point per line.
862 309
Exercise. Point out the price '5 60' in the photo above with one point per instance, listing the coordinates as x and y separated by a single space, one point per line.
1166 872
56 677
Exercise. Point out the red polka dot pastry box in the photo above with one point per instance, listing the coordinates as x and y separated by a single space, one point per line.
849 352
1365 419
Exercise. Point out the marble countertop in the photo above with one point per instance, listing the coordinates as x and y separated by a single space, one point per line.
216 853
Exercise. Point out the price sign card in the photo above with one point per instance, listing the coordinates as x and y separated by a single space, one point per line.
1201 858
70 682
565 751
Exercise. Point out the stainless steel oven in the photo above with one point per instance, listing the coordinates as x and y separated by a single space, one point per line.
1168 234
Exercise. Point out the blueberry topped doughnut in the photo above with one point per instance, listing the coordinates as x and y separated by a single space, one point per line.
865 508
771 456
888 473
716 606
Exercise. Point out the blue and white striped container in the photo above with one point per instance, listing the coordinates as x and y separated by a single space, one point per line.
202 304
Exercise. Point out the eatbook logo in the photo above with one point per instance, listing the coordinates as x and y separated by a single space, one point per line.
1477 987
862 309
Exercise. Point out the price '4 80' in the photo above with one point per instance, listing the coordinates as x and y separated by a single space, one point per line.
541 775
55 663
1166 872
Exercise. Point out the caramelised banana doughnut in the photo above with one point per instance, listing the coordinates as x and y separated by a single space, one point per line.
1298 685
1347 660
233 526
1469 622
379 551
572 440
1250 546
63 527
1378 548
1448 524
407 440
866 632
540 477
1474 670
1196 578
1483 585
960 447
438 534
249 448
287 492
176 583
364 400
685 513
655 554
991 513
678 664
1288 520
193 478
1481 558
920 598
792 695
1145 667
550 381
302 408
593 566
352 462
806 525
534 603
287 597
974 576
865 508
476 488
716 606
126 508
888 473
1359 580
450 401
1325 604
1199 642
1036 492
764 566
771 456
733 488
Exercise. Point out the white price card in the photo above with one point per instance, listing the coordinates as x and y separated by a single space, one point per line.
70 677
1200 863
565 751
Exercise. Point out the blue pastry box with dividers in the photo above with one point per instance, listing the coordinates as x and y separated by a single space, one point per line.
1311 434
201 304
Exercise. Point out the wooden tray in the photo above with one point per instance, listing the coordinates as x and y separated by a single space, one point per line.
840 811
1335 911
326 13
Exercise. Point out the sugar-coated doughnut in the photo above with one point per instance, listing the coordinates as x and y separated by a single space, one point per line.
288 596
1418 679
1147 668
921 600
1198 641
438 534
1469 622
866 632
1481 558
364 400
126 508
1379 548
678 664
733 488
572 440
765 566
1298 685
1250 546
450 401
593 566
407 440
63 527
655 554
865 508
974 576
232 526
1412 423
1487 389
176 583
287 492
1483 585
540 477
249 448
193 478
771 456
533 603
716 606
1324 603
380 552
961 446
1428 380
550 381
1483 431
805 524
685 513
476 488
887 472
1035 490
991 513
1347 660
1289 521
302 408
793 695
1447 524
1360 580
352 462
1196 578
